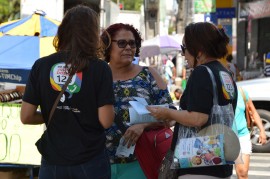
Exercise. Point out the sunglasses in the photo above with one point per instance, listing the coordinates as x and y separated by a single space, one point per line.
123 43
183 48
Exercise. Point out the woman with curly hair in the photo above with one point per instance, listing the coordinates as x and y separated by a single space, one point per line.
130 80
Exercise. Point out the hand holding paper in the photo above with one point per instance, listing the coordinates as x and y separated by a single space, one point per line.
123 150
139 107
158 112
139 113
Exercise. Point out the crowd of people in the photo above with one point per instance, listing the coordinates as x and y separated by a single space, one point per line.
89 134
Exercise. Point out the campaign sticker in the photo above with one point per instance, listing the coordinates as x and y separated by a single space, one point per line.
59 76
227 85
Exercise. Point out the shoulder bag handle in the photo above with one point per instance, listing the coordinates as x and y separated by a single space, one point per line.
243 95
215 101
248 111
215 98
58 98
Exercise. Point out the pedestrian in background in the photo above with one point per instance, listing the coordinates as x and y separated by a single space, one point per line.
170 72
73 145
203 44
130 80
233 68
244 133
178 93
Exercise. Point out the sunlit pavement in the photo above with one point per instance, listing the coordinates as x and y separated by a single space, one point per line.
259 166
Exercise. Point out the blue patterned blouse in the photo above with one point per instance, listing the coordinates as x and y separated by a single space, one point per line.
142 85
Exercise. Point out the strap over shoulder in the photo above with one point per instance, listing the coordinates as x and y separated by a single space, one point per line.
215 99
243 94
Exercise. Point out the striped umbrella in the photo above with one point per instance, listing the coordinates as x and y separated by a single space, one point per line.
22 42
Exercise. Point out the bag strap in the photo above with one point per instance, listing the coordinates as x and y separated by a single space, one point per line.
58 98
215 98
175 136
249 114
215 101
243 95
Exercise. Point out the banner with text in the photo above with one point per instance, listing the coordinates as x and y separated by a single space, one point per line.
17 140
14 75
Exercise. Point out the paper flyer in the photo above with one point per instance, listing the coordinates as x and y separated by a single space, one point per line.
138 112
200 151
123 151
136 118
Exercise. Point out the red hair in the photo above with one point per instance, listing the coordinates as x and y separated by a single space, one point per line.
110 32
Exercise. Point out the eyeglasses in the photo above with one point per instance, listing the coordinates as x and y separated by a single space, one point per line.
183 48
123 43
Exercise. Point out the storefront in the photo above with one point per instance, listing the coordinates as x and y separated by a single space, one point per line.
253 35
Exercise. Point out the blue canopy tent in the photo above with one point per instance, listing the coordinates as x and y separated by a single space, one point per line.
22 42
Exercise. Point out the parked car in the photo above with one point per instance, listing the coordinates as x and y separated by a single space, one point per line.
259 92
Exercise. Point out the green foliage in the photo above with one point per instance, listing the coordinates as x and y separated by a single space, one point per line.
9 10
134 5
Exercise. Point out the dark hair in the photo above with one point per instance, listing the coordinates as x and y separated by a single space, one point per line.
78 35
229 58
110 32
93 4
178 90
206 37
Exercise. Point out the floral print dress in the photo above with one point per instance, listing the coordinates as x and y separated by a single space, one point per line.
142 85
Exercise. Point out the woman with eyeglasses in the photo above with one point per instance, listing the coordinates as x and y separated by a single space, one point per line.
203 44
130 80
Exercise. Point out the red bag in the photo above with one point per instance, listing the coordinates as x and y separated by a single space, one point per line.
151 148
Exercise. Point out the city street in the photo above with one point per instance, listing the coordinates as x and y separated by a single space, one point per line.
259 166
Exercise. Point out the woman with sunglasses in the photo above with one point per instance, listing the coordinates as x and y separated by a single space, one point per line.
203 44
130 80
